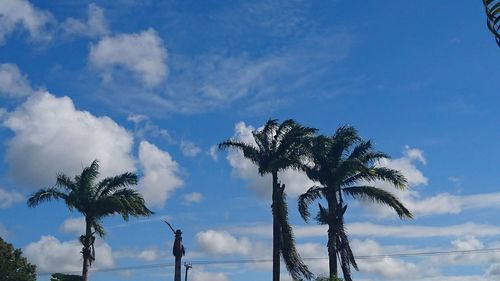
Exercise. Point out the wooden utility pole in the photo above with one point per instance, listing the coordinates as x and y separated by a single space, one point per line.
178 251
188 266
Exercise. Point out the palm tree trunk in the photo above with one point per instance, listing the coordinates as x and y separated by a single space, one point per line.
332 239
276 229
86 251
332 253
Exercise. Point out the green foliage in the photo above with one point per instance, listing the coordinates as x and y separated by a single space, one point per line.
13 266
65 277
345 164
95 200
279 147
492 8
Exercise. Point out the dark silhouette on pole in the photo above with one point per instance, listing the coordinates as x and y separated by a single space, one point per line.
188 266
178 251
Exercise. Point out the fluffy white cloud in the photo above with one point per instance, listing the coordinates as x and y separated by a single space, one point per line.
194 197
148 255
213 152
199 275
74 225
9 198
443 203
51 136
21 13
387 267
189 149
493 272
296 182
13 83
95 25
140 53
222 243
315 250
161 174
51 255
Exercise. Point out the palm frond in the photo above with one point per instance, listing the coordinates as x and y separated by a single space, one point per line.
293 261
395 177
90 173
110 184
492 8
249 151
44 195
126 202
380 196
307 198
66 182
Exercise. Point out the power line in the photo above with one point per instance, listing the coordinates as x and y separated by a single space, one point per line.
250 261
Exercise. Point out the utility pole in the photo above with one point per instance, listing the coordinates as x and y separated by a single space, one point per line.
178 251
188 266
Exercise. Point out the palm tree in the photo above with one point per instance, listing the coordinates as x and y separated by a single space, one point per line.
95 200
493 17
279 147
345 164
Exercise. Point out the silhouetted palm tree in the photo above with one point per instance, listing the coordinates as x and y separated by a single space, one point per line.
345 164
95 200
493 17
279 147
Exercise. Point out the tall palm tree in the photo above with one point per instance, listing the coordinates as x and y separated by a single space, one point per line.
95 200
492 8
279 147
345 164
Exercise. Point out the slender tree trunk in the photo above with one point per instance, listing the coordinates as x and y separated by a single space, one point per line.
86 251
276 229
332 253
332 239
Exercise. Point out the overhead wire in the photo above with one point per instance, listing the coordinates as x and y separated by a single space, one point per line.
250 261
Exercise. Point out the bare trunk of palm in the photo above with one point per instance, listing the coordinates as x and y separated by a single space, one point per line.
332 253
86 251
332 242
276 229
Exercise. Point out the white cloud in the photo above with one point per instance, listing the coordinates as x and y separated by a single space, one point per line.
74 225
386 267
148 255
21 13
51 255
493 272
142 53
189 149
161 174
315 250
443 203
213 152
368 229
3 231
191 198
222 243
13 83
95 25
51 136
199 275
143 127
9 198
296 183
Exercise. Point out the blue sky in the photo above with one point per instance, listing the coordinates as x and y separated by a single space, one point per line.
153 86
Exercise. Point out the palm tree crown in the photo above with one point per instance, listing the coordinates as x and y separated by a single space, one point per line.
95 200
346 164
279 147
